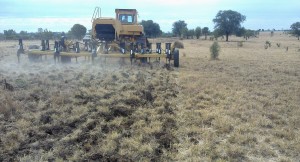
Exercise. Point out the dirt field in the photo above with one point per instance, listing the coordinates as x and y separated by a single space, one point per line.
242 107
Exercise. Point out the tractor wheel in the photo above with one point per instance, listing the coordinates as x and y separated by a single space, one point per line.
176 57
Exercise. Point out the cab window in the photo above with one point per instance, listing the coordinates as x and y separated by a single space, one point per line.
126 18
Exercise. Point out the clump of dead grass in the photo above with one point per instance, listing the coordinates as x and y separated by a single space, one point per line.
178 44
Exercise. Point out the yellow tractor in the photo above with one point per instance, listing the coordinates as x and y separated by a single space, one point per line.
119 32
121 37
123 27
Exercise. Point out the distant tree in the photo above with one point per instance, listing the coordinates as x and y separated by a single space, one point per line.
240 32
167 34
151 28
1 36
191 33
178 27
246 33
185 32
57 35
228 22
47 34
69 35
10 34
296 29
78 31
198 32
40 30
217 33
257 32
250 33
24 35
205 31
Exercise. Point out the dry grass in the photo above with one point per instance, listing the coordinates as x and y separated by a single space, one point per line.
242 107
178 44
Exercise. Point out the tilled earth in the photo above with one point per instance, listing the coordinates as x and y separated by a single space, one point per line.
87 112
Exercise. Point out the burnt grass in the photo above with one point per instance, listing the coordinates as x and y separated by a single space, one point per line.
86 114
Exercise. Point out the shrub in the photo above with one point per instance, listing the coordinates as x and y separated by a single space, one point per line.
278 44
266 46
240 43
178 44
214 51
268 43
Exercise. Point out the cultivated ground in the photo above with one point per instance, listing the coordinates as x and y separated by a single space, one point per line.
242 107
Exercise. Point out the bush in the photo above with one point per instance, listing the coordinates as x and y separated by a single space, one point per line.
278 44
266 46
240 43
214 51
268 43
178 44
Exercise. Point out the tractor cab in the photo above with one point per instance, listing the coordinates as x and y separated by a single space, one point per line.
126 16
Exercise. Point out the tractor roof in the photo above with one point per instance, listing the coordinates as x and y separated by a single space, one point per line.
126 10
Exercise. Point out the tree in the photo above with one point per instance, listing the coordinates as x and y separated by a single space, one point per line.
250 33
228 22
69 35
47 34
1 36
198 32
178 27
205 31
296 29
191 33
240 32
151 28
167 34
24 35
40 30
10 34
185 33
78 31
246 33
217 33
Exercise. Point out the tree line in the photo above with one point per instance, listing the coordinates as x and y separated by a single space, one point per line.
76 32
226 22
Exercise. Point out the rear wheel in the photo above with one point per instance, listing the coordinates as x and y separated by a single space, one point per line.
176 57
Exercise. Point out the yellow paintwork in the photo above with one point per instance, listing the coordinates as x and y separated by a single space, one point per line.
71 54
117 55
125 29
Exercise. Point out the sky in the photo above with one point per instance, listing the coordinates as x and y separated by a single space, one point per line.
61 15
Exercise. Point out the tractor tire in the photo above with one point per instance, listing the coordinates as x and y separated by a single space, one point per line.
176 57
